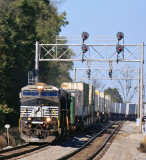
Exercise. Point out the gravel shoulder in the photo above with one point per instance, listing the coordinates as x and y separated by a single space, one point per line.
125 145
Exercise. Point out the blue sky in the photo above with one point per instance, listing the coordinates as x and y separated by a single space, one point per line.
106 18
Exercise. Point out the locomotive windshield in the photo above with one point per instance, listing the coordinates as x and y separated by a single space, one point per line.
30 93
38 102
47 93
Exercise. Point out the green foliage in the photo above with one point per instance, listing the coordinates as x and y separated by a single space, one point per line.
4 115
114 94
22 23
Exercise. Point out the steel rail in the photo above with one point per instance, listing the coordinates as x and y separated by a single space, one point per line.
85 145
100 149
3 157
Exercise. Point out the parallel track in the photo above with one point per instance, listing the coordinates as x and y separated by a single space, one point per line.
20 150
94 146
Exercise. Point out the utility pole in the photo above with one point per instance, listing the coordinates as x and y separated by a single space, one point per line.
141 91
36 61
138 108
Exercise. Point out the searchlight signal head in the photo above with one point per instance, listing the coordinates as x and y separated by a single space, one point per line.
85 36
119 48
120 35
84 48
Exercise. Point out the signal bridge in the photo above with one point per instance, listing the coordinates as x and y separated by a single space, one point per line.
113 50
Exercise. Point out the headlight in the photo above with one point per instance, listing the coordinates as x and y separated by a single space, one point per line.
29 125
48 119
40 87
29 119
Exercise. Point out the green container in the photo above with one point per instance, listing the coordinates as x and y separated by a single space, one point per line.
72 110
92 108
86 94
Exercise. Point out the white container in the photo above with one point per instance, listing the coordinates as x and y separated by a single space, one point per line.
96 102
144 109
79 103
101 105
112 107
97 92
91 94
131 109
107 97
106 106
117 108
102 94
123 108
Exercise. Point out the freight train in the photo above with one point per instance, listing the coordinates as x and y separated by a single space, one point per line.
48 112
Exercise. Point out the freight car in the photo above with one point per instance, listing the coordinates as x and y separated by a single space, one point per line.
44 112
131 110
122 111
87 105
144 111
109 110
48 112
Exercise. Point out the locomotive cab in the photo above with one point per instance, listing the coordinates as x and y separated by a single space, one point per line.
41 107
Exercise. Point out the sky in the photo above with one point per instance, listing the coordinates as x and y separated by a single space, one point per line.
106 18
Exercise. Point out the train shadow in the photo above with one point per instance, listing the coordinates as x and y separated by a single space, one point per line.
80 139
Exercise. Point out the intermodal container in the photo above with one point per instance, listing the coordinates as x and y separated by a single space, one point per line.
81 86
96 103
72 110
123 108
91 94
131 109
107 103
144 109
78 101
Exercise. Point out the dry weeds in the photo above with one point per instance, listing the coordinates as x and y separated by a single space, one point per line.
3 142
142 146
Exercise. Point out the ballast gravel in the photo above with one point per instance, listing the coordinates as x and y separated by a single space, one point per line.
52 153
124 147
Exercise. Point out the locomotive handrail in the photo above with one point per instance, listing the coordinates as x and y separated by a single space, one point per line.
56 118
21 117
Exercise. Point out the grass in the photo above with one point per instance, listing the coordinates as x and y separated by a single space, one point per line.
142 146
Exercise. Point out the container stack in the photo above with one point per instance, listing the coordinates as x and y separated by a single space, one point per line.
91 99
80 91
83 87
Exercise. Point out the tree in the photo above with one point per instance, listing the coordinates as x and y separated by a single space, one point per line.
98 84
22 23
6 115
126 86
114 94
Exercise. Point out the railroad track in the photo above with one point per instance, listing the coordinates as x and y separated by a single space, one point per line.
95 145
20 150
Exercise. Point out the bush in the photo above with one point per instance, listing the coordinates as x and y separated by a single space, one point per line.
142 146
3 142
